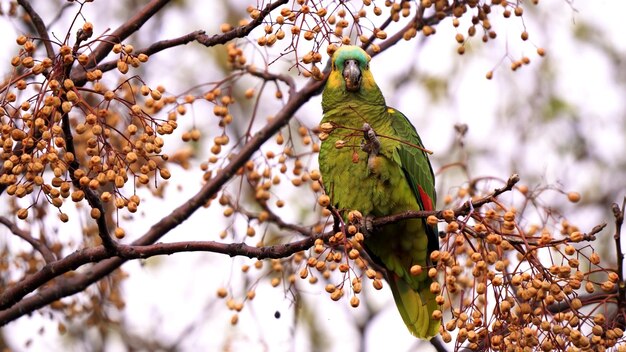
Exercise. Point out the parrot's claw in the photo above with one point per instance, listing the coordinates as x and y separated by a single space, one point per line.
372 144
367 225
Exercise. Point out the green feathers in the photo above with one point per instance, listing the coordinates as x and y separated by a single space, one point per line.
415 308
386 174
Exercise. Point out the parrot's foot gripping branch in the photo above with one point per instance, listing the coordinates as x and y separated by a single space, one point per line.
371 145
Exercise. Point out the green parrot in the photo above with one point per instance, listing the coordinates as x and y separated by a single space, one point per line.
372 160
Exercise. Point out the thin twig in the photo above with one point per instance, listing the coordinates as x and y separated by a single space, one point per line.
619 221
274 219
268 76
586 300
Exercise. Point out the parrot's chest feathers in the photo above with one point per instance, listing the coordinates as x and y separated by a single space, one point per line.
370 183
358 166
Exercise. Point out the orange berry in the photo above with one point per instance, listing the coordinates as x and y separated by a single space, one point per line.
573 197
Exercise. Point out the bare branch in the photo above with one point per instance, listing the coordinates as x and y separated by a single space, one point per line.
619 221
16 293
39 246
231 249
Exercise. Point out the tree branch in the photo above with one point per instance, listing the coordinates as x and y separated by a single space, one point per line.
464 209
42 31
92 197
13 302
125 252
200 36
268 76
231 249
15 305
125 30
39 246
79 77
619 221
241 31
438 344
15 293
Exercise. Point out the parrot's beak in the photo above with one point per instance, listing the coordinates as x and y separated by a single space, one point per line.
352 75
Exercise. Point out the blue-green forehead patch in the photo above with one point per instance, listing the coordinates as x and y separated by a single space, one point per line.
350 52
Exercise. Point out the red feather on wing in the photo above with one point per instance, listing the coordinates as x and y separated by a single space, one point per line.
426 201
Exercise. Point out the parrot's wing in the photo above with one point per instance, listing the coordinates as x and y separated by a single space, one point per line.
417 169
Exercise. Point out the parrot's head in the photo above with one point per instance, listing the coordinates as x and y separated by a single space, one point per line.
350 79
351 69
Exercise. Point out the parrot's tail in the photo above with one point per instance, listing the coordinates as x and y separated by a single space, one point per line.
416 308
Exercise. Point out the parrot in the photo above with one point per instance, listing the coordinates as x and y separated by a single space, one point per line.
372 160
